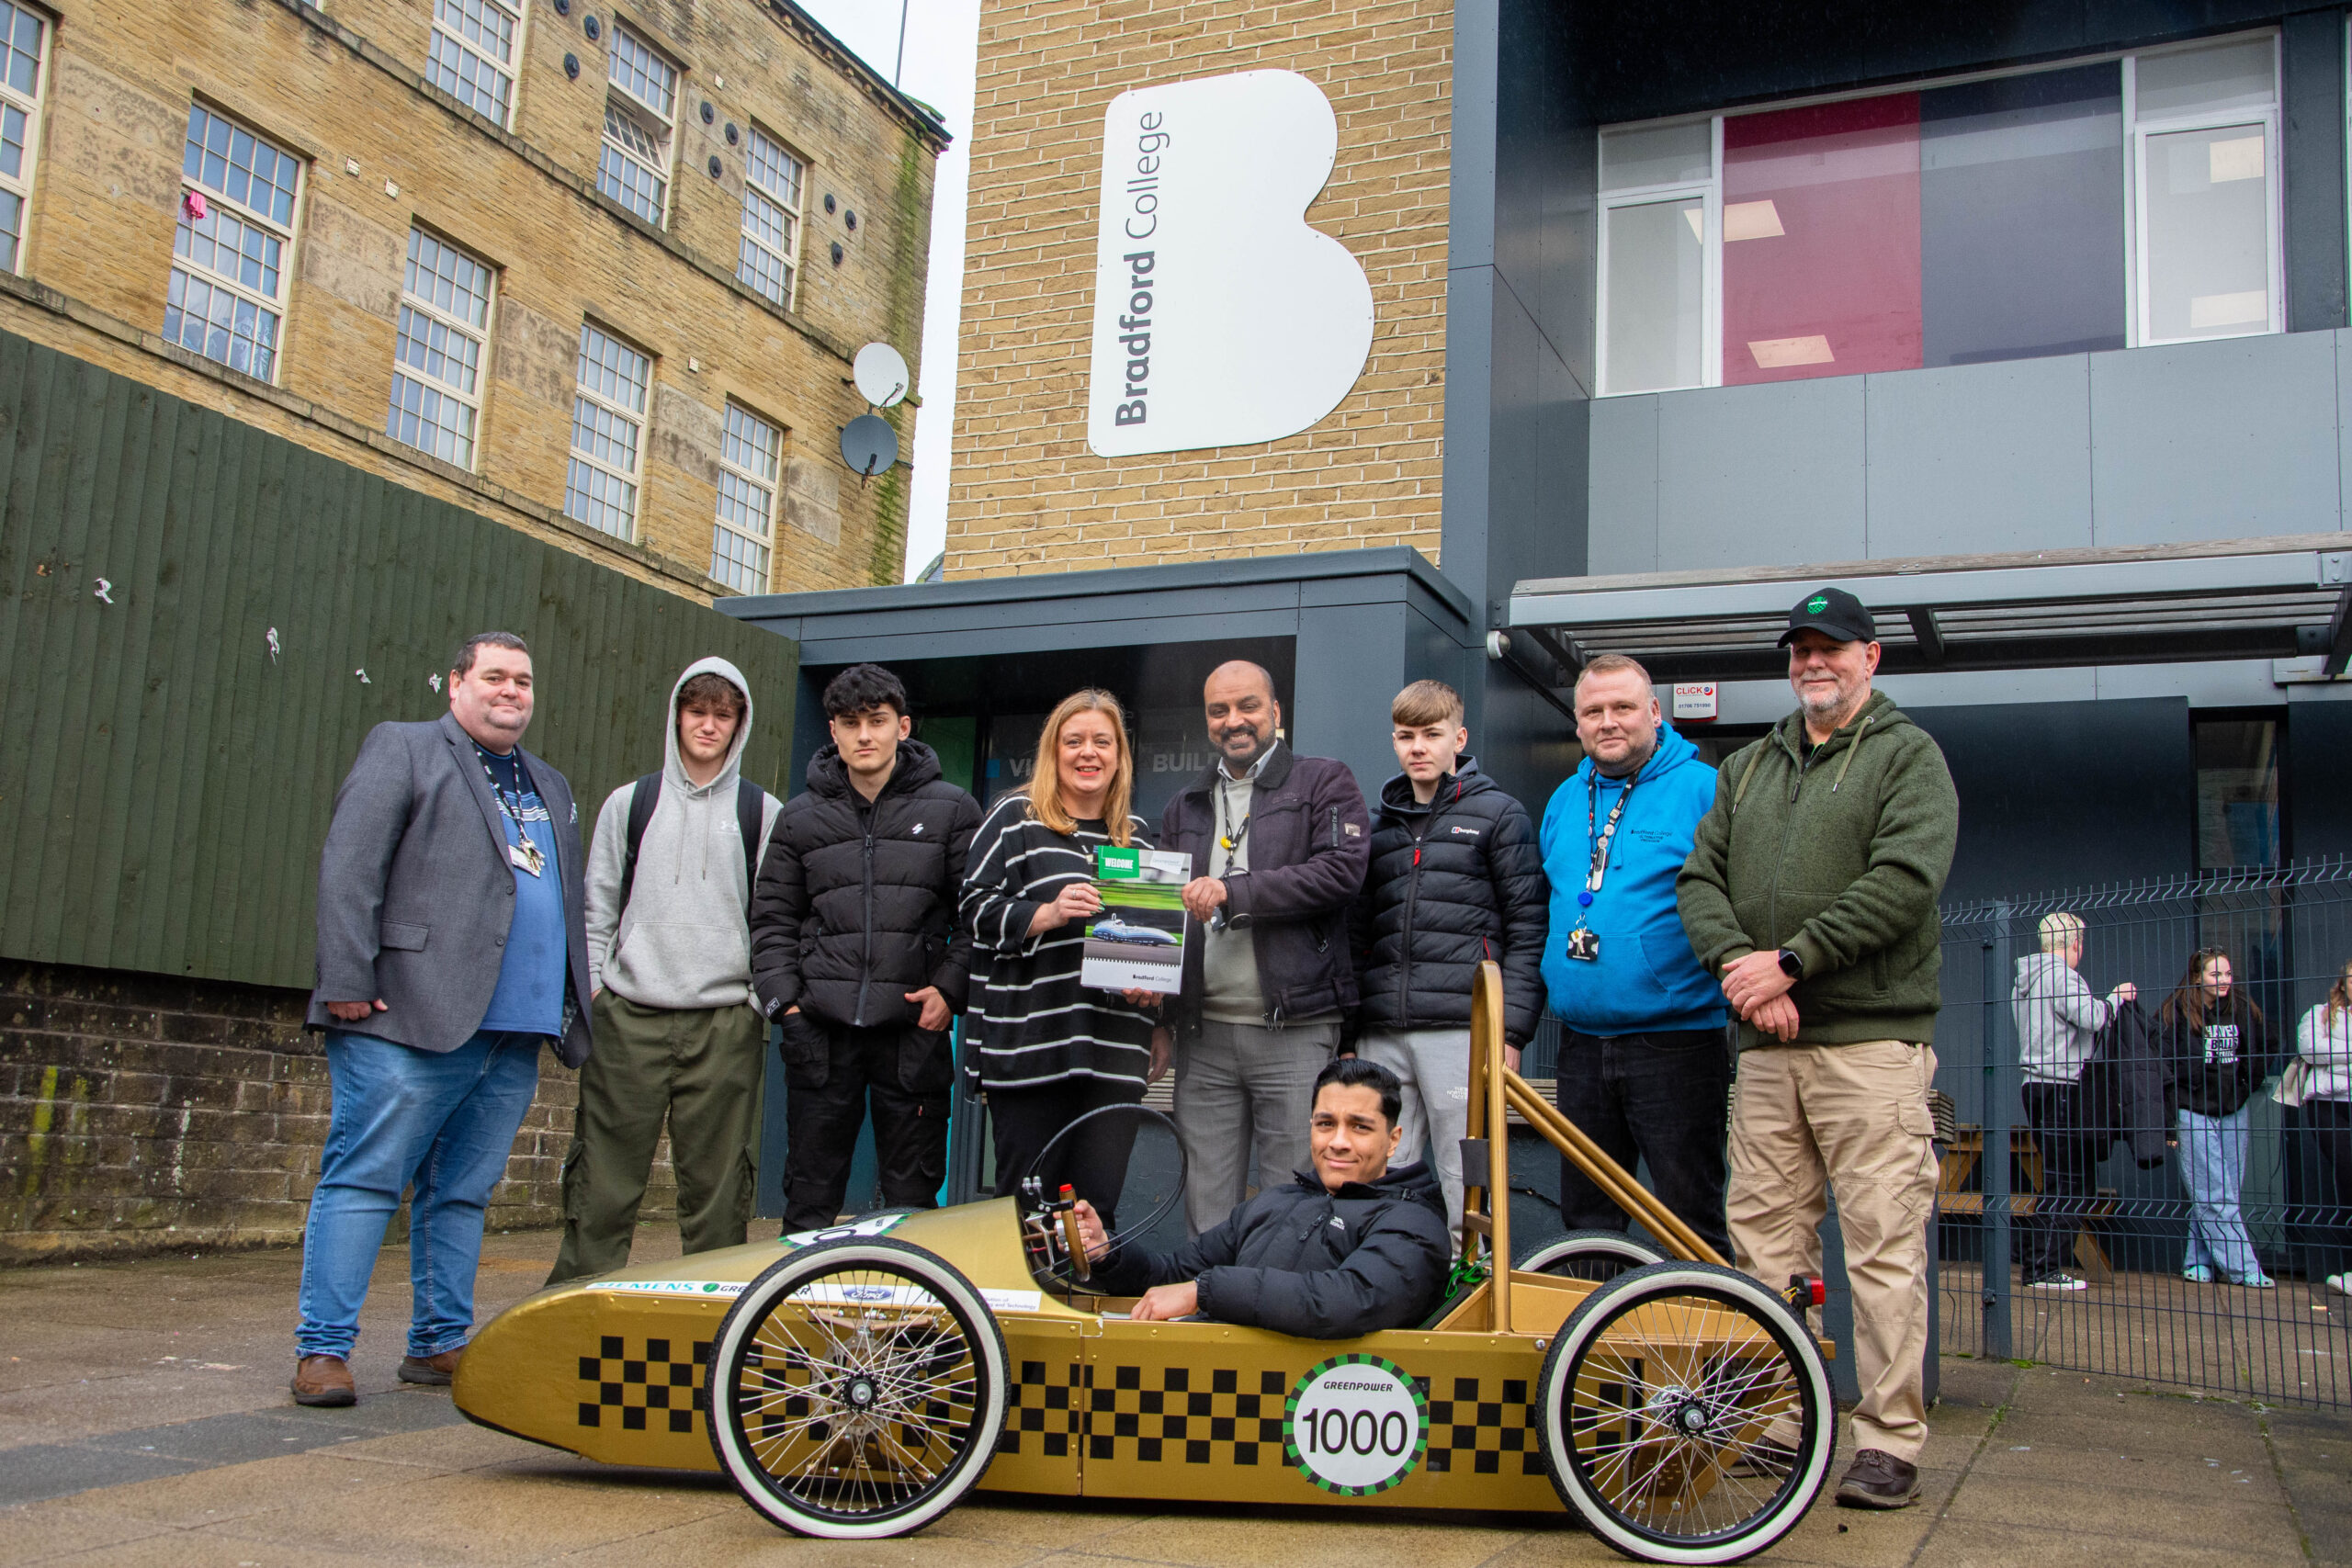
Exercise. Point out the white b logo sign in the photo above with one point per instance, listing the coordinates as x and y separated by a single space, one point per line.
1355 1425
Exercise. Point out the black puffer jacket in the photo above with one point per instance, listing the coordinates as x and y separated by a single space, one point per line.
1300 1259
1454 882
855 903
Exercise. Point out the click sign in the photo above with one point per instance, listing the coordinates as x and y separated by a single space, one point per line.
1694 699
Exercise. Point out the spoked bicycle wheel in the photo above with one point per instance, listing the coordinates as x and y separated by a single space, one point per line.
857 1389
1685 1415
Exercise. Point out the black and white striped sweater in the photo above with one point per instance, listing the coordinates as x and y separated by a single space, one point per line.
1036 1023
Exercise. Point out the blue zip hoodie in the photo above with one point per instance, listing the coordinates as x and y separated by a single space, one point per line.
1646 978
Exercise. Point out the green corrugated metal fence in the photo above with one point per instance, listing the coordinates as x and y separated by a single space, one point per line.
164 779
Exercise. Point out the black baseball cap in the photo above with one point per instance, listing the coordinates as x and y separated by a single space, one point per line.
1834 612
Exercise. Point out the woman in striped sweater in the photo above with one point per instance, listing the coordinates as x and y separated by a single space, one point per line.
1051 1049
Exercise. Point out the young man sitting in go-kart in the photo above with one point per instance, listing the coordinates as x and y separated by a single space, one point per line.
1353 1248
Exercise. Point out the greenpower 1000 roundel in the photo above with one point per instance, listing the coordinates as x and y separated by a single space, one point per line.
1355 1425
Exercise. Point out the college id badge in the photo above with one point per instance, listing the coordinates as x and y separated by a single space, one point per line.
1584 945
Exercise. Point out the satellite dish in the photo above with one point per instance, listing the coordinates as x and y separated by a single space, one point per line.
880 372
869 445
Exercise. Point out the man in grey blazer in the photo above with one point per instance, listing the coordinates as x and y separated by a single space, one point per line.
452 946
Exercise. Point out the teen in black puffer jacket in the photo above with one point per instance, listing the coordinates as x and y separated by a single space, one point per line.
855 903
1453 883
1300 1260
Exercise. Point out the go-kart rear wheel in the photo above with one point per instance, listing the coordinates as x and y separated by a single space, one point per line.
857 1389
1685 1415
1598 1256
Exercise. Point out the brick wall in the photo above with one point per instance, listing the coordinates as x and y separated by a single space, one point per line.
382 151
1027 495
140 1114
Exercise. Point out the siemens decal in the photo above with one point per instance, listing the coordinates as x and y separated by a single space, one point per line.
1221 319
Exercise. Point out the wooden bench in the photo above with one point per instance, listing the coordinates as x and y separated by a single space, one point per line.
1963 1158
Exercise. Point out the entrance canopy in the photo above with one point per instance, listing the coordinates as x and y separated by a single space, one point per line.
2276 598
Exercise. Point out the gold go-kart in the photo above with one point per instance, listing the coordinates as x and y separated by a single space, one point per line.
865 1381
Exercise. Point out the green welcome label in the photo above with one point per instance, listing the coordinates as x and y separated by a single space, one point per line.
1113 864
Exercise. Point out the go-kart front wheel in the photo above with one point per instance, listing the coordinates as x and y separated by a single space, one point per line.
1685 1415
857 1389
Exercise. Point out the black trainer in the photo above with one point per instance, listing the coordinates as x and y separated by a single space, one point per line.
1878 1480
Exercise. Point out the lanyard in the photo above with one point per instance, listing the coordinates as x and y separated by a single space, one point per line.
1230 842
1602 834
526 855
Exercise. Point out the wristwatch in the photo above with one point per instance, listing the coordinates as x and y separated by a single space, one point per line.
1791 965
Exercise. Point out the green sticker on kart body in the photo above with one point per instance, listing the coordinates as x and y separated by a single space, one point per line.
1355 1425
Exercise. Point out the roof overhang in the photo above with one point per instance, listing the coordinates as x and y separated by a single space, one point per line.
2274 598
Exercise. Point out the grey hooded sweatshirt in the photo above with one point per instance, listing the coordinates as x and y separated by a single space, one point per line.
2057 1017
685 940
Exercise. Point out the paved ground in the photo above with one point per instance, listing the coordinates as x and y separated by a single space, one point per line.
143 1421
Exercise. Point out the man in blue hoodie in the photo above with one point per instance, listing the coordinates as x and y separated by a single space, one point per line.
1644 1067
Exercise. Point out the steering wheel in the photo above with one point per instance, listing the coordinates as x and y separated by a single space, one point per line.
1074 1269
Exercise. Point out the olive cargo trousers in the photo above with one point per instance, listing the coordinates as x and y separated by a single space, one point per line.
700 1068
1857 1116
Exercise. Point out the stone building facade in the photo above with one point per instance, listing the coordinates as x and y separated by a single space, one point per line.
1027 494
490 140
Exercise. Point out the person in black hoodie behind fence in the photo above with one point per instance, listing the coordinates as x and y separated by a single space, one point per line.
1348 1248
2216 1046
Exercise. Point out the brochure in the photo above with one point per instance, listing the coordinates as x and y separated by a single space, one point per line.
1136 942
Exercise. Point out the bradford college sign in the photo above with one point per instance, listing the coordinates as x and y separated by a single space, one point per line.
1221 319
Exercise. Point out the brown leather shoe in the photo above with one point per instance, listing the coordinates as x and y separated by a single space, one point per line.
433 1371
1878 1480
323 1380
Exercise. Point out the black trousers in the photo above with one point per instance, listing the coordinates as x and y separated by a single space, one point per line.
866 1070
2325 1204
1094 1163
2069 1166
1663 1097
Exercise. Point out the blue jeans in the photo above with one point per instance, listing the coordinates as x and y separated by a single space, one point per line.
2212 1163
441 1123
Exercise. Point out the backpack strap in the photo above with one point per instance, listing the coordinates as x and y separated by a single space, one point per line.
751 802
643 798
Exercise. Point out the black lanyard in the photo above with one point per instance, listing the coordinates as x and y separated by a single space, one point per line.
1605 832
510 807
1231 842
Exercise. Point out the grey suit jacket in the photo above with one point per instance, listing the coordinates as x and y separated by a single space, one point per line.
416 893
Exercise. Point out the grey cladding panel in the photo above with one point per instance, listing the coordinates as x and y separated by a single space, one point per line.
1622 524
2215 440
1980 457
1761 476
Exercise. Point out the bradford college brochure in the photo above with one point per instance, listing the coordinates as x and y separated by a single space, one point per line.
1137 944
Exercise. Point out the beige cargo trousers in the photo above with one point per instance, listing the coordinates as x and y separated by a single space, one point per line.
1809 1119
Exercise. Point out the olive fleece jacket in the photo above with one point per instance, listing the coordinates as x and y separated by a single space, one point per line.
1839 855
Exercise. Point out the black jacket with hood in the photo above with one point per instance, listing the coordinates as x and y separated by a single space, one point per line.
1309 843
1300 1260
2215 1066
856 900
1453 883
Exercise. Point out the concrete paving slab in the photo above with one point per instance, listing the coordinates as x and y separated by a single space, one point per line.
210 1549
742 1539
1041 1523
34 1471
1979 1544
2244 1512
36 1535
1319 1540
291 1481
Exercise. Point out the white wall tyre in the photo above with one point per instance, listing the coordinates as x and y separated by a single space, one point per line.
1598 1256
1655 1403
856 1389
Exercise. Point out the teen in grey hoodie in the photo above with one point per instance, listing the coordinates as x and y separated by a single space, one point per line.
670 965
2058 1021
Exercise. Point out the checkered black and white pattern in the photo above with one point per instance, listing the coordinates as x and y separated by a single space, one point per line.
1187 1417
1045 1410
1483 1422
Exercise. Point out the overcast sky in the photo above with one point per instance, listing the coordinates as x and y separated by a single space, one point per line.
942 52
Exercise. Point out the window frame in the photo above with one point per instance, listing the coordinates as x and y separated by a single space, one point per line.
2136 132
2132 262
23 187
480 399
288 234
796 213
642 419
774 486
521 11
633 105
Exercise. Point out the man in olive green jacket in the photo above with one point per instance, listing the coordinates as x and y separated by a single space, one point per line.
1811 892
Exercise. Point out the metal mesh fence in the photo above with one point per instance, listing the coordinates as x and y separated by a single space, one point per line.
2121 1218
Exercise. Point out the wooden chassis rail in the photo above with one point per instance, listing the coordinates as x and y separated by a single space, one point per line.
1485 1209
